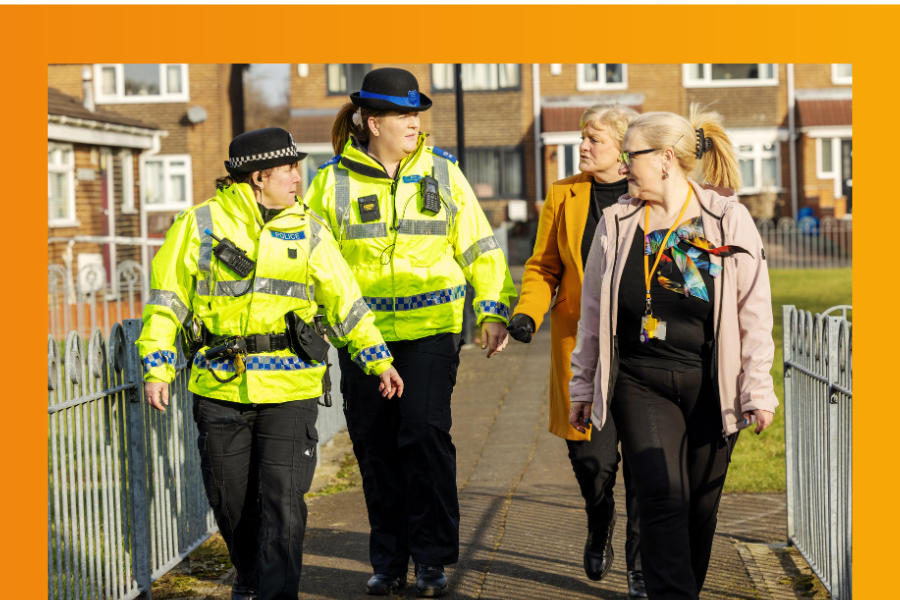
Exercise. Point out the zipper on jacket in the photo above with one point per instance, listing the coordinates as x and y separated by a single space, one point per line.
612 349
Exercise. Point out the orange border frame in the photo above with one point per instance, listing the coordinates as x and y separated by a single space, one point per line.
37 35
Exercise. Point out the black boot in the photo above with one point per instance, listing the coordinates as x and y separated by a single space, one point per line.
598 552
384 585
430 581
636 588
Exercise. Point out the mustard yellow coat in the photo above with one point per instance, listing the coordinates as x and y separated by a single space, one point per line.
556 267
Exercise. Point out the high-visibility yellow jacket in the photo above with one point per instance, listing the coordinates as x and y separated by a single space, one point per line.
298 268
412 266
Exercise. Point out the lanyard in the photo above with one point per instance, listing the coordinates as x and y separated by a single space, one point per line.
662 246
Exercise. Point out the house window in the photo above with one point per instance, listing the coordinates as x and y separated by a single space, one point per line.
841 74
317 155
834 160
602 76
126 160
166 182
495 172
759 163
477 77
345 78
120 83
61 185
729 75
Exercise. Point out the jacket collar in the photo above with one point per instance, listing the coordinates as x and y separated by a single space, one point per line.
239 200
714 201
356 159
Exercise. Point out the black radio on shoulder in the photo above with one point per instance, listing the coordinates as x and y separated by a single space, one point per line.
232 256
368 208
431 197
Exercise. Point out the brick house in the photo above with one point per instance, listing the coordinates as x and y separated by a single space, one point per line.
764 106
93 158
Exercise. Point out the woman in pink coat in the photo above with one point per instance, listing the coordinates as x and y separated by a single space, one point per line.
675 337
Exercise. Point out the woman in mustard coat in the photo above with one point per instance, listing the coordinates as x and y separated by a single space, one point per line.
565 232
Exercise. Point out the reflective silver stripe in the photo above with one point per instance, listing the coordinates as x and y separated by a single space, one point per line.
204 222
315 235
171 301
232 288
203 287
357 312
366 230
480 247
282 287
341 193
442 174
422 227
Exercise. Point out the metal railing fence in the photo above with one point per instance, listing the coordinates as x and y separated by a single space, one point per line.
807 243
126 501
818 394
125 496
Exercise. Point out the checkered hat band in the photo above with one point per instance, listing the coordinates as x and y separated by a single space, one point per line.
370 354
493 308
158 358
238 161
418 301
256 363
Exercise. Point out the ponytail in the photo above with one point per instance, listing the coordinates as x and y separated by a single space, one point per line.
718 164
351 120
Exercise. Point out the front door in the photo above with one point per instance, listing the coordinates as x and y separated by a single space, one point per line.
847 172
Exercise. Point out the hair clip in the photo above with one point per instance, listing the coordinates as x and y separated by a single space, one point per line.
357 118
704 144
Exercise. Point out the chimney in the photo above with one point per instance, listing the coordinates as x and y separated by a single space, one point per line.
88 88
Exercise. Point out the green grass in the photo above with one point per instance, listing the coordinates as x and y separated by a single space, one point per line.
758 461
345 479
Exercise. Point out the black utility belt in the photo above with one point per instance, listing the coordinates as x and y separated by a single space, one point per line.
256 344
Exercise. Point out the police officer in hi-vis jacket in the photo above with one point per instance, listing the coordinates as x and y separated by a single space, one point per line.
246 272
412 231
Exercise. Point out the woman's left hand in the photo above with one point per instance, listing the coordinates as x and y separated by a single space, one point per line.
763 419
494 337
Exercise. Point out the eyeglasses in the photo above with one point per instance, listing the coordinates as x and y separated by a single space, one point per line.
626 157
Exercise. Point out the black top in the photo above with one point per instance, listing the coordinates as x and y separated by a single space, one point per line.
689 320
268 213
602 195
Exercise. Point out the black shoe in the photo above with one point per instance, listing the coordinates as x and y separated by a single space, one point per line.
636 587
243 592
598 552
430 581
384 585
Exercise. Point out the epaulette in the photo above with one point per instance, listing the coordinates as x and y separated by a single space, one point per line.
438 152
331 162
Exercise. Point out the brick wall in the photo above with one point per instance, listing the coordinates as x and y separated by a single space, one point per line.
815 76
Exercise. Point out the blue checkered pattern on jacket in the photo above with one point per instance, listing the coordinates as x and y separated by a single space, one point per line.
372 353
256 363
494 308
158 358
419 300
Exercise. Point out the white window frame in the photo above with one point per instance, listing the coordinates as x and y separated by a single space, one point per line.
126 162
837 165
69 170
323 148
837 79
585 86
466 86
120 98
757 138
708 82
168 171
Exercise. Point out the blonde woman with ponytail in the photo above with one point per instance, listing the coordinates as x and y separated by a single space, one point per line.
675 338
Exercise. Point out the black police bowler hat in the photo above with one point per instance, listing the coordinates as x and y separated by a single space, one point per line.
390 89
261 149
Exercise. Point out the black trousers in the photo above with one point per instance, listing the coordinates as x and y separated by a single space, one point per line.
595 463
406 455
257 462
670 425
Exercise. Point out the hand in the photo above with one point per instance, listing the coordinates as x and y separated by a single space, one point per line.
580 415
494 336
763 419
157 394
391 384
521 327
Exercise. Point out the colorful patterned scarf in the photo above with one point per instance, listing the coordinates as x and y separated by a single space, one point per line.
690 262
